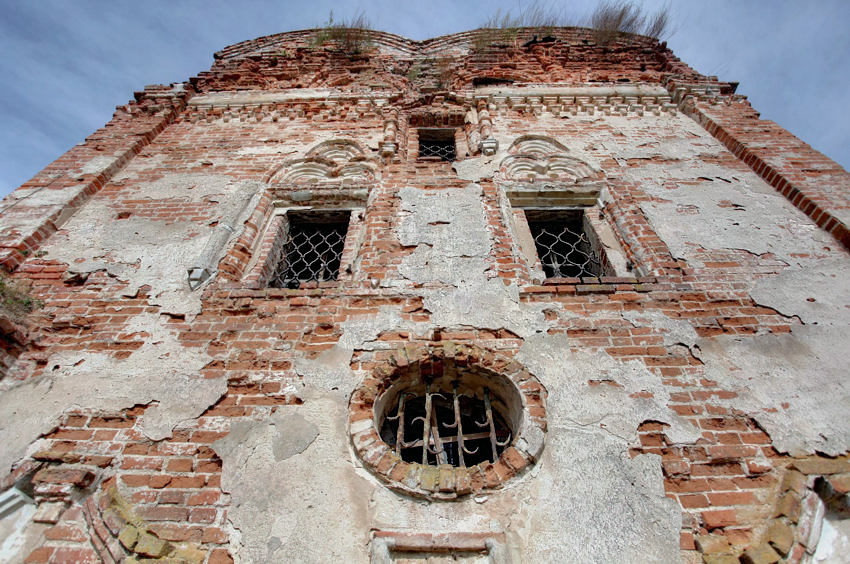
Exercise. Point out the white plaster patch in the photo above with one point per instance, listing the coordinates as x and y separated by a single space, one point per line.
162 370
594 489
450 232
331 370
816 292
598 391
98 164
304 499
25 210
797 385
142 251
758 222
478 168
491 305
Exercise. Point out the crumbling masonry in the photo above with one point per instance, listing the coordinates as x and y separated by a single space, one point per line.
303 307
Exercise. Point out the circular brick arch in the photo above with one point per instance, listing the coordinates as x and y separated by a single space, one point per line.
446 482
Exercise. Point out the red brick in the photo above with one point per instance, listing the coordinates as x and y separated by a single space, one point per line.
163 513
179 465
136 480
186 482
40 555
64 533
220 556
718 518
204 497
731 498
203 515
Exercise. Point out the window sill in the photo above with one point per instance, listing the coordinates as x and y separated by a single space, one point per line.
593 285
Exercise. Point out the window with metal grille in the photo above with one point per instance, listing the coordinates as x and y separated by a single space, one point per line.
312 249
562 244
437 143
460 429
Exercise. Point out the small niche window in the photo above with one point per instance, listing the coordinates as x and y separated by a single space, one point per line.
437 144
422 548
562 243
312 249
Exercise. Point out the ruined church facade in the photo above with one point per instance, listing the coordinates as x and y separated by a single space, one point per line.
485 298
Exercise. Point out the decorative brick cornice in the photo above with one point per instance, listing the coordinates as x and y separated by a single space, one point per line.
580 100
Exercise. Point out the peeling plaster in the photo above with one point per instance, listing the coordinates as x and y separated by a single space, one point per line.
331 370
162 371
142 251
598 505
816 293
674 331
449 232
590 427
293 469
795 385
491 305
98 164
479 168
759 222
18 217
686 215
609 403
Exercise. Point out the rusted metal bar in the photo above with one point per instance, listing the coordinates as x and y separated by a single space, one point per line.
444 440
426 425
457 423
439 451
399 436
489 423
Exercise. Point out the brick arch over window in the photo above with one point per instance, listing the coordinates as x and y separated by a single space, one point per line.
373 401
536 157
329 161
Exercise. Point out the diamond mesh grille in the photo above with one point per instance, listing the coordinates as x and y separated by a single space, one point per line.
310 252
443 149
564 249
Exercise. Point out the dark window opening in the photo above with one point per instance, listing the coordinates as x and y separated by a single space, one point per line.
437 143
491 81
562 244
446 428
312 249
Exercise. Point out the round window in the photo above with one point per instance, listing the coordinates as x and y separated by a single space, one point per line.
441 421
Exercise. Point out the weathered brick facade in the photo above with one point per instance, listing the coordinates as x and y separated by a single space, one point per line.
690 401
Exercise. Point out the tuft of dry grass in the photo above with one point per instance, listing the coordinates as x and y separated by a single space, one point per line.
15 302
658 25
610 19
351 36
504 27
614 17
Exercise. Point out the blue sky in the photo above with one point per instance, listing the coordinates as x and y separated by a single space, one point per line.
67 64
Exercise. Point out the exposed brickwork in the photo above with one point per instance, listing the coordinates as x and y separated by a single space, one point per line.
444 481
810 180
131 129
127 494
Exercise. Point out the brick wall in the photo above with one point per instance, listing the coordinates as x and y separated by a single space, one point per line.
162 498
